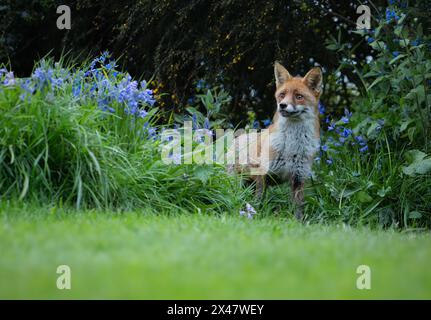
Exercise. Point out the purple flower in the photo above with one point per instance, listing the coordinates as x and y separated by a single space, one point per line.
396 53
249 211
329 161
321 108
346 132
370 39
363 149
207 123
325 148
266 122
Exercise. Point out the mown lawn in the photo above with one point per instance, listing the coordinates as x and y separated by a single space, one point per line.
141 255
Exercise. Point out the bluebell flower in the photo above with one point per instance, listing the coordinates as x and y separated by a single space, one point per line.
266 122
321 108
194 122
207 123
142 113
415 42
200 84
249 211
370 39
346 132
396 53
9 79
363 149
325 147
329 161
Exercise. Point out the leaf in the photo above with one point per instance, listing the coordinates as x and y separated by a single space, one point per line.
418 163
363 197
332 46
397 58
203 173
415 215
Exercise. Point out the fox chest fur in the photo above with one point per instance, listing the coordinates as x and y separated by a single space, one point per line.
293 146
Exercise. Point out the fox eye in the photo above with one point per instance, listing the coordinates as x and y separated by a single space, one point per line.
299 97
282 95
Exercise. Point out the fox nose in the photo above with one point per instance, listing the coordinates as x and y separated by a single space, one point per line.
283 106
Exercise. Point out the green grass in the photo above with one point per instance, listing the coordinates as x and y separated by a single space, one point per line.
176 256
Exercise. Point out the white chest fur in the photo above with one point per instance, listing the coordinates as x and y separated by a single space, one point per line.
295 144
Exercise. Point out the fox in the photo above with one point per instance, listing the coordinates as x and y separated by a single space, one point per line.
286 150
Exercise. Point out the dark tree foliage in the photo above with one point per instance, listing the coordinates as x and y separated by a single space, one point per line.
229 42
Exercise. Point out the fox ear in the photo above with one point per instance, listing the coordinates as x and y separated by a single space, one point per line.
314 79
281 74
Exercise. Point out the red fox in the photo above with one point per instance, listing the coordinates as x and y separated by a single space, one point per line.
287 149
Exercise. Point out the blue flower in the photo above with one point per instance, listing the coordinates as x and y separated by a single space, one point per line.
207 123
266 122
370 39
249 211
346 132
363 149
329 161
256 124
194 122
415 42
396 53
200 84
325 147
321 108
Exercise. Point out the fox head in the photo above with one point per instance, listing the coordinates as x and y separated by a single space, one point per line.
297 98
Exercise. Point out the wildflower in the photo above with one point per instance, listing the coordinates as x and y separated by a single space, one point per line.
9 79
142 113
194 122
176 157
325 148
370 39
256 124
331 127
266 122
415 42
346 132
201 84
363 149
207 123
396 53
329 161
321 108
391 14
249 211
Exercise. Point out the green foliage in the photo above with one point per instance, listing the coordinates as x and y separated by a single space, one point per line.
389 183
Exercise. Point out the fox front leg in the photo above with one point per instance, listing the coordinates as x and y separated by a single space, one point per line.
298 196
